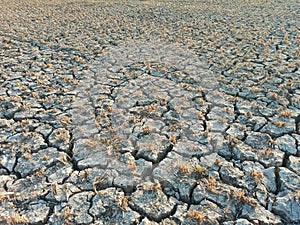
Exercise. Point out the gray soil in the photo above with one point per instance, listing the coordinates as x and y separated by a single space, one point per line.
150 112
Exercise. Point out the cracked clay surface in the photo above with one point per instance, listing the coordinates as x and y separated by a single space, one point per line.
149 112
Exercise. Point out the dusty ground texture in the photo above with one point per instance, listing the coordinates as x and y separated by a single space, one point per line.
149 112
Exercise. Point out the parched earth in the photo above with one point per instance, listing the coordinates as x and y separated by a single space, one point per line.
149 112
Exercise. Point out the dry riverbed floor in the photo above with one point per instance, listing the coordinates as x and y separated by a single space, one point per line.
149 112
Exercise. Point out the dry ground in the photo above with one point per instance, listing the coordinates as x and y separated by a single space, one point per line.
149 112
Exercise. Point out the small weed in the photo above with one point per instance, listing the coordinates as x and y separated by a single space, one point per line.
286 37
279 124
151 147
115 144
34 94
67 215
243 127
41 82
63 158
132 165
184 168
27 155
41 172
173 139
46 157
194 148
272 142
84 173
156 186
174 127
249 114
218 162
285 114
53 110
151 107
16 98
5 195
211 181
185 85
267 152
54 188
97 181
296 100
163 101
234 99
16 218
273 95
153 187
65 120
23 88
74 82
257 175
62 135
255 105
109 108
179 110
240 195
122 203
207 131
202 102
233 140
226 211
228 110
223 120
164 70
200 114
147 129
103 113
94 142
26 106
199 169
196 215
4 123
255 89
134 119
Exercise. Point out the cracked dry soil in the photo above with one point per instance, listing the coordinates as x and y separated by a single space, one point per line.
149 112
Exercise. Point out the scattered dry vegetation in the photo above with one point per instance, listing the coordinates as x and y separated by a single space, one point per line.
232 37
